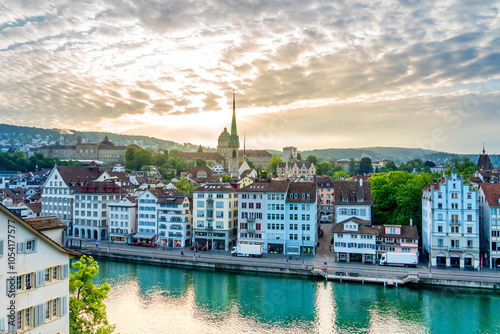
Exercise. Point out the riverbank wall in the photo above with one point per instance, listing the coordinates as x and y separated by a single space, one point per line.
295 269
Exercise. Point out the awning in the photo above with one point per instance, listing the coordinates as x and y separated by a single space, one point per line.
144 236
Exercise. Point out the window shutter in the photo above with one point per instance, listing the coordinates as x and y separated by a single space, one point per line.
35 315
64 271
35 244
63 306
41 314
21 247
1 247
2 324
40 278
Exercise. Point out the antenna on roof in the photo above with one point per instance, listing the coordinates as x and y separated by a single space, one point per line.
484 151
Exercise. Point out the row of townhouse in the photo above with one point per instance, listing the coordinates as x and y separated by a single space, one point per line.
35 289
280 215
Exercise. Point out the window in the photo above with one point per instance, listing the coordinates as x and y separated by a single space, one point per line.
54 307
47 274
28 281
440 242
440 229
30 245
55 273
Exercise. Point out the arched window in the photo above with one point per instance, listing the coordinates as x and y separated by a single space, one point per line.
234 153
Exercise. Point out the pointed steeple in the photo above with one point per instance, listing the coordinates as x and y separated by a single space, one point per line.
233 123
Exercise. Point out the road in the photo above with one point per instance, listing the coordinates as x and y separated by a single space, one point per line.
306 262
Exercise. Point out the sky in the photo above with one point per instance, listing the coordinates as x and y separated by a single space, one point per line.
310 74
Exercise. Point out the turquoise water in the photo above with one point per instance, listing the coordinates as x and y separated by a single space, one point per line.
157 299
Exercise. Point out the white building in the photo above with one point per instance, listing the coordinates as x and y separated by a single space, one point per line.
489 221
354 240
38 286
175 220
147 216
215 216
58 191
450 223
289 152
352 199
252 214
122 220
90 209
217 168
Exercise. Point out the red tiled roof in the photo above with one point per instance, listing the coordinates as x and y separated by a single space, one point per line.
492 193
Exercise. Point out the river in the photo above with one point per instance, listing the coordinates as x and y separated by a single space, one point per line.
157 299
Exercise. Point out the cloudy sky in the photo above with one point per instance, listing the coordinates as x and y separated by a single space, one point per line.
312 74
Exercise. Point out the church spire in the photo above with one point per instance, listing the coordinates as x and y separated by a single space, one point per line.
484 151
233 124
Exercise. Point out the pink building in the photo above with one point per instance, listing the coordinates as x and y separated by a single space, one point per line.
325 195
397 238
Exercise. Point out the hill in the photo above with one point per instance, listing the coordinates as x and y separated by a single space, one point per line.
397 154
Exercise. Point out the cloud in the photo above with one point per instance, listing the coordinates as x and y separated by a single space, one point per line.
87 63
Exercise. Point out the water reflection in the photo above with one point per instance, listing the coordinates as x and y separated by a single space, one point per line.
157 299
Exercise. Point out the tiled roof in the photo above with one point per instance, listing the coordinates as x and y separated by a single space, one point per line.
352 190
105 187
357 220
74 175
322 182
492 193
407 232
216 187
362 229
300 188
45 223
35 207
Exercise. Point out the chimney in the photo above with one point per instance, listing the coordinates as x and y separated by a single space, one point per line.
411 222
361 182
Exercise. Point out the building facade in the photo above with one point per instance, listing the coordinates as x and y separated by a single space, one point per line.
91 209
215 216
175 220
352 199
104 151
305 170
325 196
59 188
147 216
40 288
122 220
489 221
450 223
396 238
354 240
289 153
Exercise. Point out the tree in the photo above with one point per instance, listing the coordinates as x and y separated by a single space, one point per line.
312 159
463 166
397 197
87 311
200 149
299 157
173 153
365 166
273 164
290 157
340 175
185 187
352 166
251 164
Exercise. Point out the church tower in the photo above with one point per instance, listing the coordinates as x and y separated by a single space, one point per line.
234 146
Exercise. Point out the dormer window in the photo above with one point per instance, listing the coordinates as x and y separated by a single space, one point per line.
345 199
361 199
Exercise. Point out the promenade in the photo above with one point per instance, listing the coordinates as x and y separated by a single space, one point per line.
305 265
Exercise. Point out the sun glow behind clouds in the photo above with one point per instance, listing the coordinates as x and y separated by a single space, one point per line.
127 66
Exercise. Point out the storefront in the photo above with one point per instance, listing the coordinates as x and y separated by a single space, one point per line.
307 250
275 248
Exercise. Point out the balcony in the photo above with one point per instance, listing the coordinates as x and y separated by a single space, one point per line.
455 222
210 227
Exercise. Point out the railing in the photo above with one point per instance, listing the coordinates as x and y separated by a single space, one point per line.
454 249
210 227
